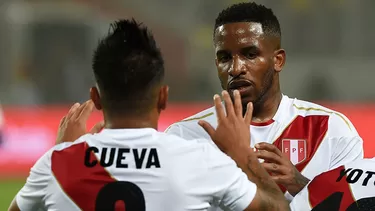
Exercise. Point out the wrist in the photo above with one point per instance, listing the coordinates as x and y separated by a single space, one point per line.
296 188
241 155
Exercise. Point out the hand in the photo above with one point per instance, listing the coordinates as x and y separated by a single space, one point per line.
233 131
282 171
73 125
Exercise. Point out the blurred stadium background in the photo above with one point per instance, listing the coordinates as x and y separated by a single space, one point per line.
46 49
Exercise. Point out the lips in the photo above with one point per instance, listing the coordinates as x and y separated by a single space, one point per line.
239 84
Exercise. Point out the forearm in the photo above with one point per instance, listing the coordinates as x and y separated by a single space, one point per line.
250 165
13 205
270 195
300 183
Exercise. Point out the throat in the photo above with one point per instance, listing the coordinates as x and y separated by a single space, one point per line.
264 111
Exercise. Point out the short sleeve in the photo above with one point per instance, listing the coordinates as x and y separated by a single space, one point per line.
348 145
232 189
348 149
31 196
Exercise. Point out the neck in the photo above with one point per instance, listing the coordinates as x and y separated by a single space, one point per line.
127 121
267 109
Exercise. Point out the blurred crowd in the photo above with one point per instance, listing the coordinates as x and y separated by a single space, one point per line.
47 47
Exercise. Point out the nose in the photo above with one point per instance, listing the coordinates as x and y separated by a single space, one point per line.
238 67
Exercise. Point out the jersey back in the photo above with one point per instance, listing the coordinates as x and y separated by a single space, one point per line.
136 169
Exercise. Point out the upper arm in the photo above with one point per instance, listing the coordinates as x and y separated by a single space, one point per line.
31 195
231 186
348 145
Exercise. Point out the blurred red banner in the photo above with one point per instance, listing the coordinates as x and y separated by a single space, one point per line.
29 132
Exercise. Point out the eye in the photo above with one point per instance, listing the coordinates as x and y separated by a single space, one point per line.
250 55
251 52
223 57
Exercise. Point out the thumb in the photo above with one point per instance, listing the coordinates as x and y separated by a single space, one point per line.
97 127
207 127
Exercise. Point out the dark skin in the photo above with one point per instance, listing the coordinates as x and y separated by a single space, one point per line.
250 61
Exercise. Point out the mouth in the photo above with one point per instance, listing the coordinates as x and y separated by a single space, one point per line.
243 86
239 84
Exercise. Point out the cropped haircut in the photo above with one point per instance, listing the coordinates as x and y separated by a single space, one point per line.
128 66
250 12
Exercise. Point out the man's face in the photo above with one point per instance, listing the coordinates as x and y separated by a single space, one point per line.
245 60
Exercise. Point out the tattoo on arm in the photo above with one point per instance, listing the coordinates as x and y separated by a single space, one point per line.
300 182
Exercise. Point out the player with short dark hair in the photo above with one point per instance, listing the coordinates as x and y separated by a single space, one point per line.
129 161
250 12
129 71
297 139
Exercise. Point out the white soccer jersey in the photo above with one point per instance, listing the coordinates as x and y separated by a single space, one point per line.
348 187
146 169
316 139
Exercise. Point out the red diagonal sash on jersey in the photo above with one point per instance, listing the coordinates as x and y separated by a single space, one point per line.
307 133
79 182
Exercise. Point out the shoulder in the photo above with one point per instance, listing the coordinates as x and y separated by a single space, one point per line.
198 151
178 145
337 122
188 128
207 115
66 145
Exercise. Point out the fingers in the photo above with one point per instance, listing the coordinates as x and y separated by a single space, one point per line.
228 103
72 110
86 111
220 114
269 147
83 110
97 127
237 103
62 121
207 127
269 156
249 113
275 168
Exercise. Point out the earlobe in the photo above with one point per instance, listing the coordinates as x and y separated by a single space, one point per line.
279 60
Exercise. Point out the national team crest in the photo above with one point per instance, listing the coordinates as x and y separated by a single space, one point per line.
294 149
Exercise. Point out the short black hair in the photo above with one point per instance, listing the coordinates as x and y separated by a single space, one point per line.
127 66
250 12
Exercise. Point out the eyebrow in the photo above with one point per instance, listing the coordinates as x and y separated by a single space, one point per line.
247 48
252 49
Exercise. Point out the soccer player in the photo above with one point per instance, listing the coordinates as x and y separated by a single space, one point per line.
350 187
297 139
129 163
